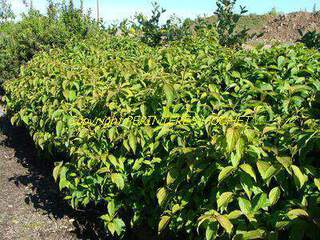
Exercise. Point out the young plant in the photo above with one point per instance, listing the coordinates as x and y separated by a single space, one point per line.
274 12
227 24
150 27
153 33
311 39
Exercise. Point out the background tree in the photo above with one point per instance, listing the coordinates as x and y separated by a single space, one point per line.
28 3
151 27
314 9
6 12
227 23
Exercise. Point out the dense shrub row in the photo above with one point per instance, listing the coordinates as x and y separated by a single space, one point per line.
233 153
35 32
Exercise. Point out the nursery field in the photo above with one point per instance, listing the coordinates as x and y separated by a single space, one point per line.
150 131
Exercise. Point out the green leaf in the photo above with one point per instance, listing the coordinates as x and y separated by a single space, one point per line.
111 208
103 170
63 183
269 129
286 162
111 227
72 95
25 119
234 214
209 216
317 183
225 223
259 202
164 131
169 92
119 226
266 170
113 160
249 170
225 172
162 196
211 231
236 74
300 178
171 176
143 109
176 208
240 146
149 131
248 235
245 205
106 218
117 179
224 200
14 119
247 184
126 145
232 137
112 133
271 172
235 159
274 195
295 213
56 170
133 142
281 61
169 58
59 128
164 221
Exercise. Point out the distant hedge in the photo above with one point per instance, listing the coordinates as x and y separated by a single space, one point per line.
235 153
20 41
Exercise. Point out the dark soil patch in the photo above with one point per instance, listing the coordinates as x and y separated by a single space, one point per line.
31 206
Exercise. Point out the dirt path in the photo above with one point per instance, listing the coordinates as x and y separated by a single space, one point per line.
30 205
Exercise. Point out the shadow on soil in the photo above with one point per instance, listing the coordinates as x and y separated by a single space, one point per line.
45 194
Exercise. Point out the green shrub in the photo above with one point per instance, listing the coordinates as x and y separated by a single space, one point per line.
234 153
20 41
274 12
311 39
150 27
150 30
227 22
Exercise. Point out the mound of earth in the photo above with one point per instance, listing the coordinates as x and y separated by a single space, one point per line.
285 28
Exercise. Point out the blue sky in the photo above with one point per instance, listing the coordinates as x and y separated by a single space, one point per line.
116 10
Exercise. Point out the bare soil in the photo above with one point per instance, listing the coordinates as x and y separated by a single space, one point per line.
285 28
31 206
